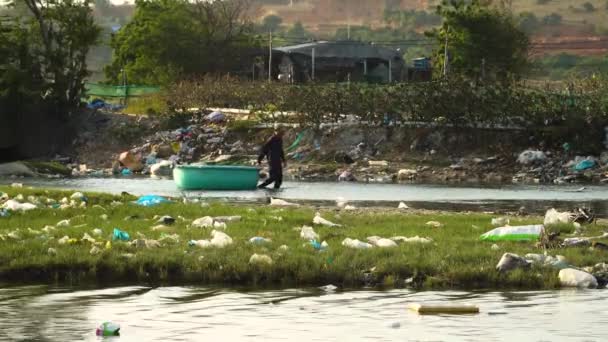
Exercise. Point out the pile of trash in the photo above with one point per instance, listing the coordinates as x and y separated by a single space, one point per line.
569 275
558 168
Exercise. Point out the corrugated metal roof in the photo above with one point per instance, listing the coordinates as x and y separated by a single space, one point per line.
342 49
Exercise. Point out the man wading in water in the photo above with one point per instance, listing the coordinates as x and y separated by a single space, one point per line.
273 150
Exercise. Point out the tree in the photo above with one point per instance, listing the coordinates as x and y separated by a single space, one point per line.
552 19
588 7
58 37
271 23
297 31
170 39
528 22
480 37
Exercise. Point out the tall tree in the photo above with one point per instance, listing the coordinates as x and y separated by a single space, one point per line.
170 39
481 39
62 32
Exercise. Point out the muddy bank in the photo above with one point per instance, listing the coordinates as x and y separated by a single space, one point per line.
346 153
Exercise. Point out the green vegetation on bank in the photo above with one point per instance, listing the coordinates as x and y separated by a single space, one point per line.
455 259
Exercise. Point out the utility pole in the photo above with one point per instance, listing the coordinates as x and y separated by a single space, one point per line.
390 70
445 53
270 56
483 68
313 64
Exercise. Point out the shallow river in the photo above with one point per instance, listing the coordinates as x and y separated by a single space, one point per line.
512 197
207 314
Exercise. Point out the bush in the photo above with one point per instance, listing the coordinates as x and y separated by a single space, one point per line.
455 101
588 7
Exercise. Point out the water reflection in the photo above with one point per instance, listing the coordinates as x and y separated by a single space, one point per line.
196 313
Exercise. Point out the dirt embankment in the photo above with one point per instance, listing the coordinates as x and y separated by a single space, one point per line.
347 153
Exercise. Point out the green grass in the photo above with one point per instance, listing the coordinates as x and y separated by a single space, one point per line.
456 258
52 167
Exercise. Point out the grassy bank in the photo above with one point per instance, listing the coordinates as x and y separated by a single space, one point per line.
455 258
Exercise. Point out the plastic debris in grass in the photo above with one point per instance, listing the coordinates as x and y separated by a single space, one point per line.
308 233
319 246
258 240
151 200
515 233
260 259
318 220
16 206
381 242
119 235
356 244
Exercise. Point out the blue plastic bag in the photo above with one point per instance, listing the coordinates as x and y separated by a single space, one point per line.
584 165
126 172
120 235
151 200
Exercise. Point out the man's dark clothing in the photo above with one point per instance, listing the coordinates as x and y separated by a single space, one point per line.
273 150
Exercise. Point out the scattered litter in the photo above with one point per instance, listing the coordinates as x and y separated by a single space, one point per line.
108 329
104 217
120 235
51 251
203 222
161 228
63 223
87 238
515 233
381 242
328 288
16 206
308 233
434 224
555 217
17 185
219 225
77 196
530 157
394 325
510 261
166 220
48 229
260 259
350 208
355 244
444 309
145 243
321 221
174 238
258 240
585 165
319 246
200 243
570 277
97 232
500 221
95 250
402 206
281 203
227 219
283 248
415 239
63 240
495 247
151 200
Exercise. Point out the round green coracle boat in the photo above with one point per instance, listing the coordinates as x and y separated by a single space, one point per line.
216 177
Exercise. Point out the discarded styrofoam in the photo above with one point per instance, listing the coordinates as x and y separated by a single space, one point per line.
219 225
570 277
402 206
349 207
220 239
77 196
355 244
260 259
259 240
321 221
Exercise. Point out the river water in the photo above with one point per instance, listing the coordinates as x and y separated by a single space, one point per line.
511 197
208 314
